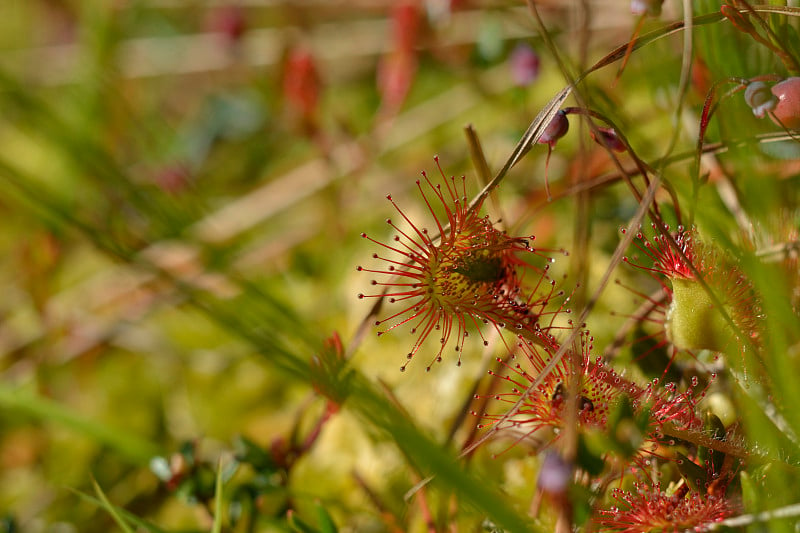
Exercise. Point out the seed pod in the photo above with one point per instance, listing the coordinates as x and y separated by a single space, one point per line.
787 110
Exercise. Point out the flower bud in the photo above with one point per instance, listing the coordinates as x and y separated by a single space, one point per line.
557 128
787 110
555 474
608 137
760 98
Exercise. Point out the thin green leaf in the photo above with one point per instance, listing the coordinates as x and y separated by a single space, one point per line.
110 509
129 445
217 525
326 523
130 517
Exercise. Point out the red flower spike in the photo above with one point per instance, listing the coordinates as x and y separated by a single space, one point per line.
467 277
648 508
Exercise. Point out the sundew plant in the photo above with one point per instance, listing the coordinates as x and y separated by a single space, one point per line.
423 266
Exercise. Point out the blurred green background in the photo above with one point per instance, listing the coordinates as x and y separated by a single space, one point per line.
183 185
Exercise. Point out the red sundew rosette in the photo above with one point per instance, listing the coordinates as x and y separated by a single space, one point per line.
468 276
694 320
599 387
648 508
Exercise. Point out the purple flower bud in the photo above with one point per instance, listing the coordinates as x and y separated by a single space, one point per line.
609 138
557 128
555 474
524 65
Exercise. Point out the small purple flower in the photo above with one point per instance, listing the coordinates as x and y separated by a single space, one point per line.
555 474
524 65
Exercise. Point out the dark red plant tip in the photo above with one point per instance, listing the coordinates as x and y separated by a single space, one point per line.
461 276
738 20
301 82
406 21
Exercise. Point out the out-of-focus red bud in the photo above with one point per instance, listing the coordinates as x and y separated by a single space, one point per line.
405 26
228 20
395 77
397 69
301 82
173 178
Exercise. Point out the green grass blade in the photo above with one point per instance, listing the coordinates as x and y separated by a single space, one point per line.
110 509
15 399
217 525
122 513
